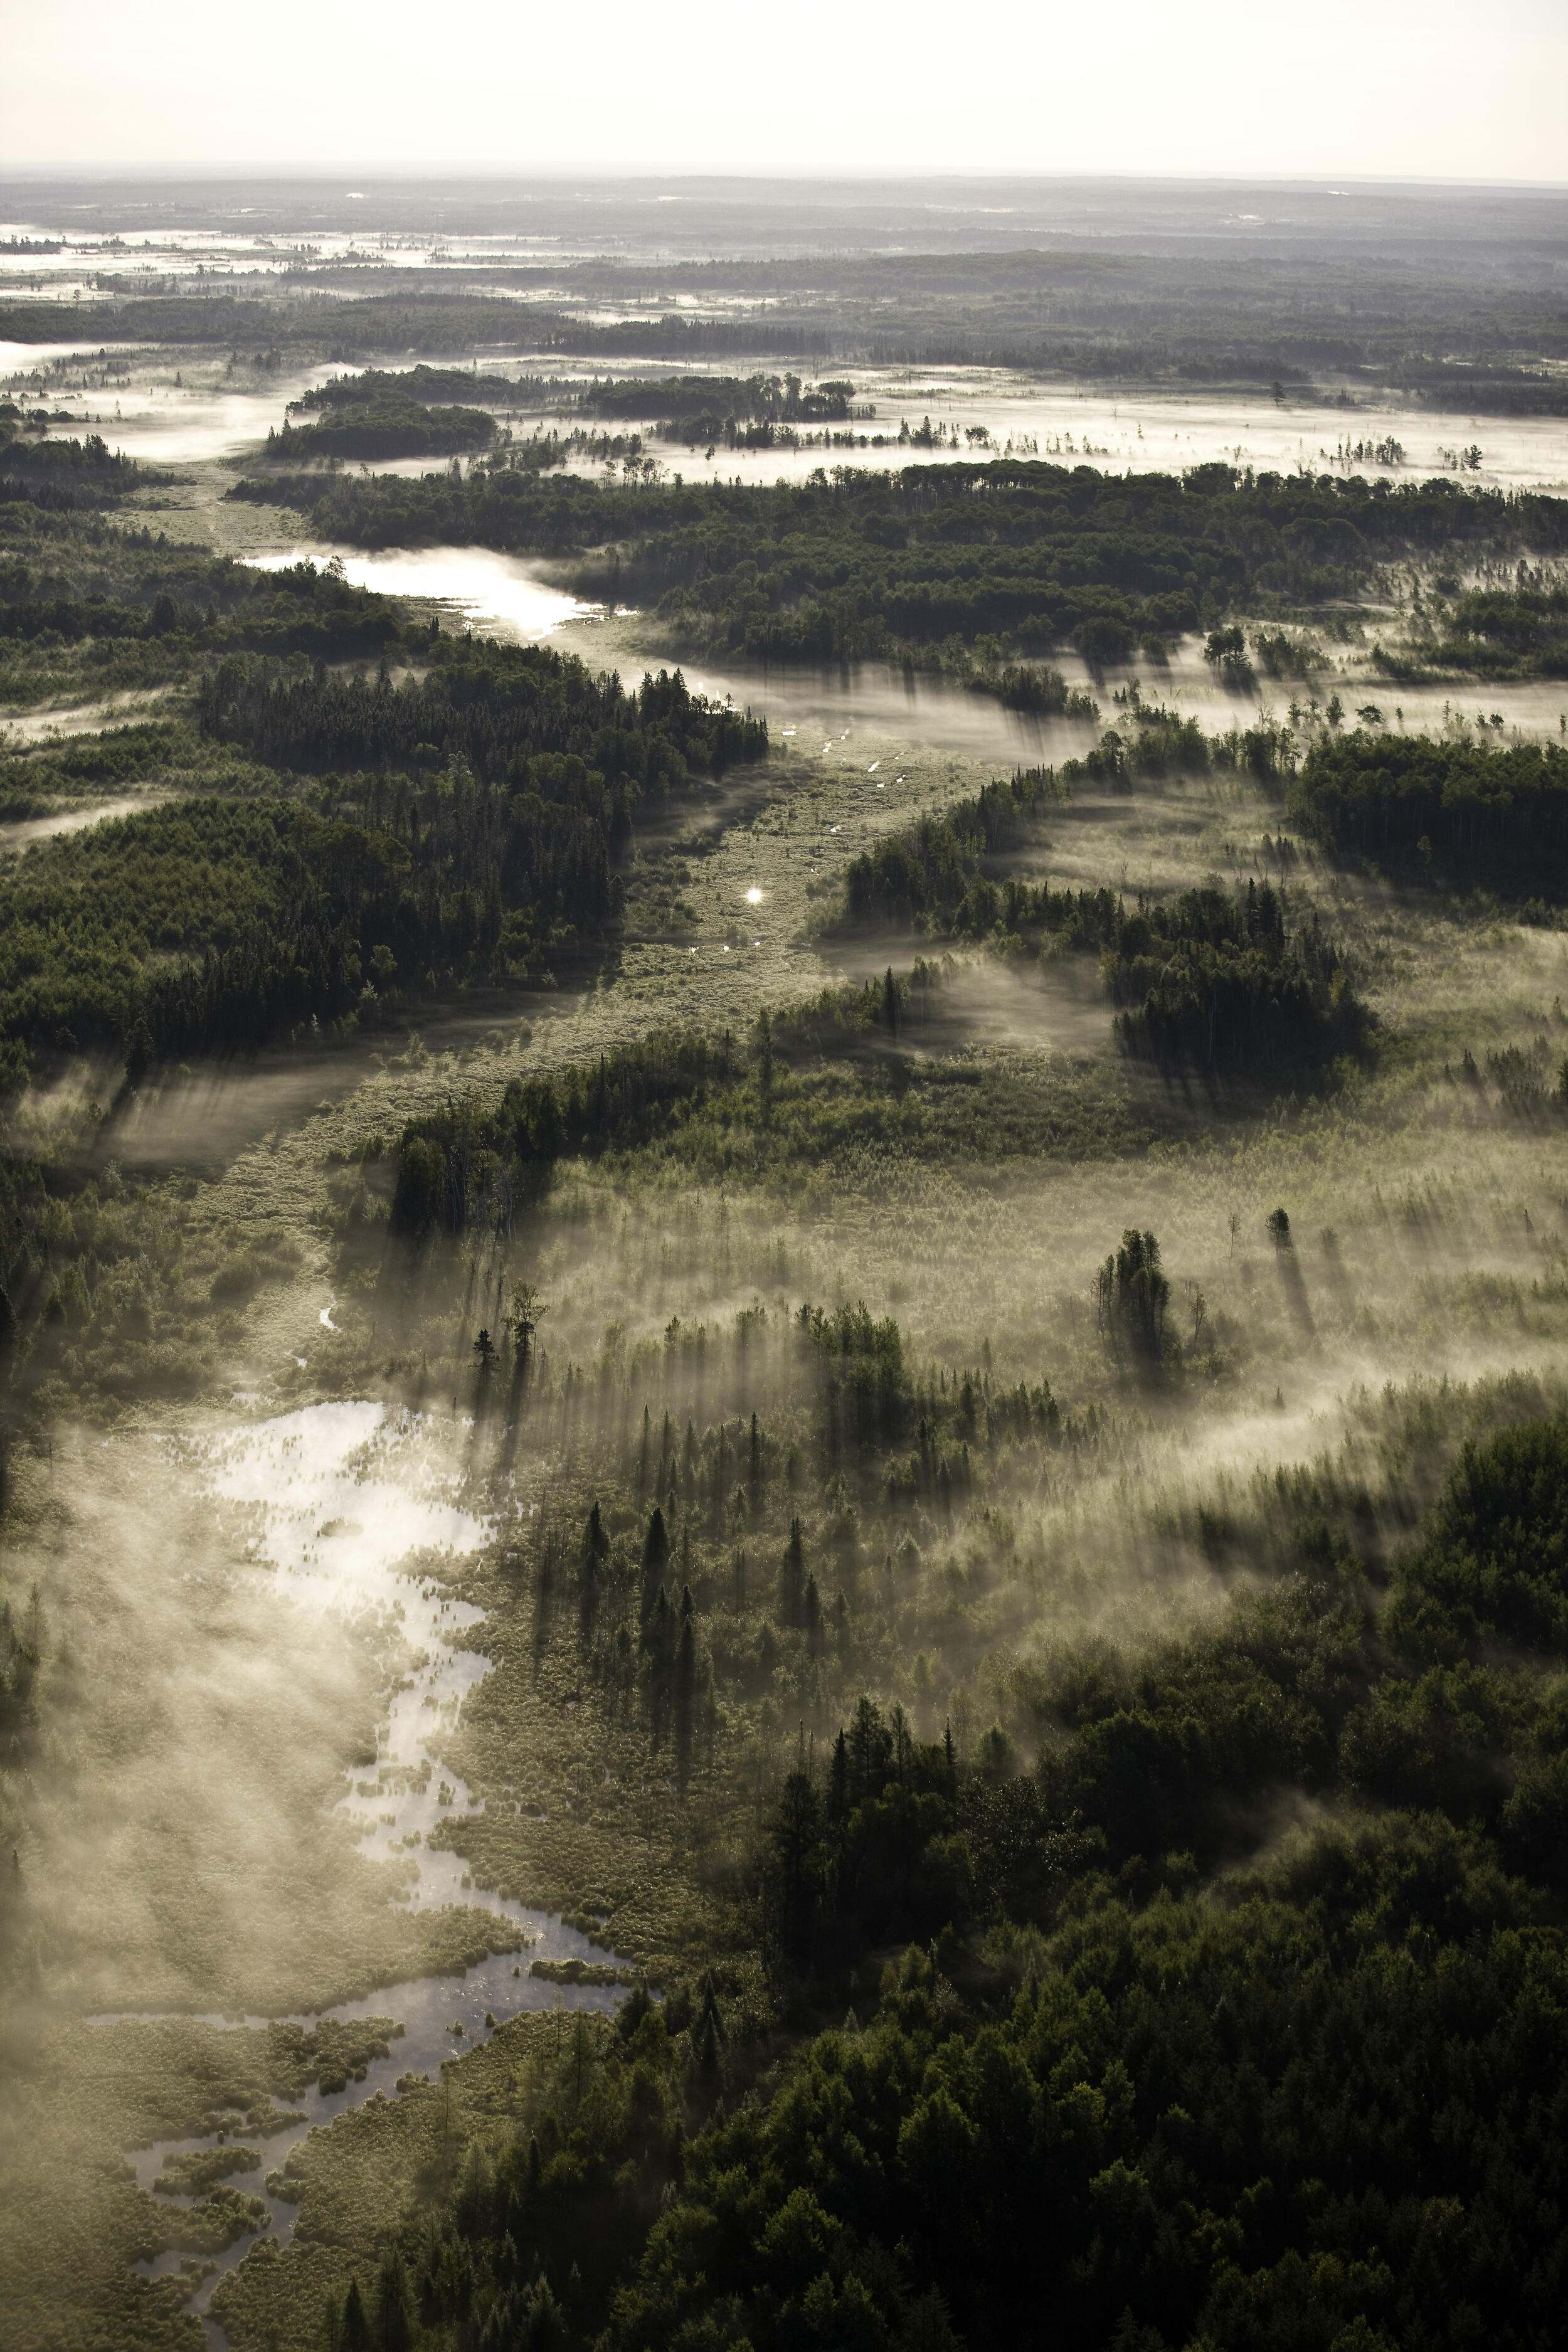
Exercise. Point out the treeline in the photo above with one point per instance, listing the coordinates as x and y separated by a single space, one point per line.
1130 302
697 408
1153 2061
212 925
387 426
1457 811
463 1167
508 712
924 872
63 477
1210 979
1485 388
40 779
459 387
66 579
493 798
867 563
1494 632
345 329
204 608
209 923
1224 982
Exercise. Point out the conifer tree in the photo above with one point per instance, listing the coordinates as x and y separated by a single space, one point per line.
792 1577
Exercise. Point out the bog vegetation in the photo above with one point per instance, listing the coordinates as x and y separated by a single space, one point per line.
883 565
999 1345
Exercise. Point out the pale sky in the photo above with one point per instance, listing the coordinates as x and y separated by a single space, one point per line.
1389 88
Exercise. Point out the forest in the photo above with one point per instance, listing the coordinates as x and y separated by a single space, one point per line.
1309 2106
1428 295
783 1269
386 427
1475 816
215 924
871 565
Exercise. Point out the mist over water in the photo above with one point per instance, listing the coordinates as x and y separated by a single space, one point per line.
497 595
828 1293
347 1497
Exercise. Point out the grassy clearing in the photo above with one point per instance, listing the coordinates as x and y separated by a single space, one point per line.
74 2219
969 1182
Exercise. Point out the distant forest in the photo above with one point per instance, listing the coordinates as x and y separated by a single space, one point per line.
865 564
1419 309
468 821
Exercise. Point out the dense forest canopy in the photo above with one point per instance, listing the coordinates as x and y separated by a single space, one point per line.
386 427
1472 814
491 798
777 1429
864 564
429 386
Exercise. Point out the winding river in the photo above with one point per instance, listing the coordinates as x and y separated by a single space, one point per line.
347 1499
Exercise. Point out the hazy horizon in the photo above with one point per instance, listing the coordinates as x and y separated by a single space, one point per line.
783 1244
1037 90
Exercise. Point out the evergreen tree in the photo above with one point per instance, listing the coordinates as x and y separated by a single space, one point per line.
660 1638
1132 1294
394 2306
356 2335
792 1577
812 1618
685 1688
797 1865
655 1558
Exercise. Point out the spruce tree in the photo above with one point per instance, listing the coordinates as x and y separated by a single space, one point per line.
655 1558
792 1578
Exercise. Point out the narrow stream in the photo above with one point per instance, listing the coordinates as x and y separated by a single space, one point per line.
347 1498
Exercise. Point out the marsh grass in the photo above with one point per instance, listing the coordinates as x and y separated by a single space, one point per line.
968 1179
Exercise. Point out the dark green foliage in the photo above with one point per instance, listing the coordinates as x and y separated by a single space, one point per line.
498 790
1201 2125
869 563
792 1579
209 922
496 1163
387 427
1132 1294
751 412
1323 2098
654 1559
523 2252
1459 812
924 874
1506 634
500 708
1492 1571
63 477
682 398
66 579
876 1854
490 1164
1210 979
461 387
1220 982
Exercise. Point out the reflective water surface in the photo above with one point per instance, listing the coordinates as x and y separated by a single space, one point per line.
347 1500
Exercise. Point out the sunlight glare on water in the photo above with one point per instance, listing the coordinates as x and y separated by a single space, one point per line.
345 1497
497 595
